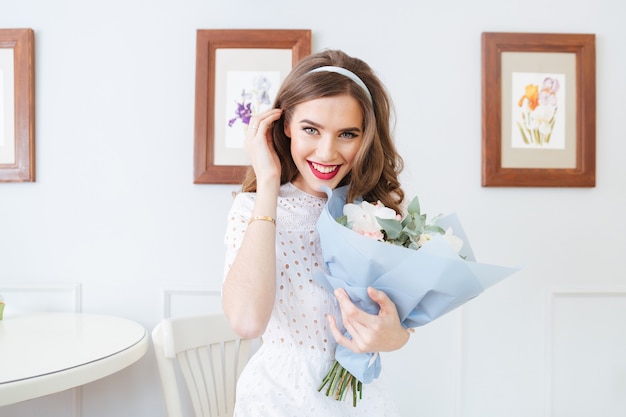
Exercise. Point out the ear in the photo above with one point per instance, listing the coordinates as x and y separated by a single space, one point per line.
287 129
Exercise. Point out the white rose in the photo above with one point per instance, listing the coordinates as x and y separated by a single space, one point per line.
363 218
383 212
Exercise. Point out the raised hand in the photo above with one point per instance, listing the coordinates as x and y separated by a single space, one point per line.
260 148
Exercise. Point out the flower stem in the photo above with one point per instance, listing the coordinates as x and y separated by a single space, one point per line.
339 380
328 376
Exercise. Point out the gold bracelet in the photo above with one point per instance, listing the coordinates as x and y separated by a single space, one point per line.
266 218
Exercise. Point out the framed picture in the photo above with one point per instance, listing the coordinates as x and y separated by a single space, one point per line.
17 105
238 73
538 110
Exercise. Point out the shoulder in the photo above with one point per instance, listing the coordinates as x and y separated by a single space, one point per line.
243 203
246 198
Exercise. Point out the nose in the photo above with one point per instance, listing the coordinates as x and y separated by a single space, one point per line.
326 148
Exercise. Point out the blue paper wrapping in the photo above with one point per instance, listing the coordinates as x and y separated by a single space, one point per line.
424 284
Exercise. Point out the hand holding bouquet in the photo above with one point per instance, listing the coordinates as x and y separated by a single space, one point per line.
427 269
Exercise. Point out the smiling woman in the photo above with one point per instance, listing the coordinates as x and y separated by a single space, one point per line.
329 127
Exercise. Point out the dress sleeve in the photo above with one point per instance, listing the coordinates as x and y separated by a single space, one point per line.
236 226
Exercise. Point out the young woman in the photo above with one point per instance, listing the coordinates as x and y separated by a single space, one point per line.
330 126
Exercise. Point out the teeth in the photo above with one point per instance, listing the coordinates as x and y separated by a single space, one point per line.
325 169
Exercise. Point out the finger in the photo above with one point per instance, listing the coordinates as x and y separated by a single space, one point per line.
354 319
345 303
342 339
350 313
334 329
262 121
382 299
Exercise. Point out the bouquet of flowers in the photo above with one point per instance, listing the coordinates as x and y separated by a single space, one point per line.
427 269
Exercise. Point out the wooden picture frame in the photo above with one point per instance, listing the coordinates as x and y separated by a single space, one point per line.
228 63
538 110
17 105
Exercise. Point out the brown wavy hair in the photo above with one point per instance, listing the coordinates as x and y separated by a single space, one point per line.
377 165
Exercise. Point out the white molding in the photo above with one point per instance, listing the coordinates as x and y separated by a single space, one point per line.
73 291
553 293
170 294
460 359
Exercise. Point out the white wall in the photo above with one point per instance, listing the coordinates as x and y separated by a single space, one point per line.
114 210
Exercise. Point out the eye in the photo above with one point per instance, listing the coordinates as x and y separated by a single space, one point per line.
310 130
348 135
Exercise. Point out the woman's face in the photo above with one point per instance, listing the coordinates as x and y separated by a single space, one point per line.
326 134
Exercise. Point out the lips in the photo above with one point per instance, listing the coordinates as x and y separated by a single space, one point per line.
324 172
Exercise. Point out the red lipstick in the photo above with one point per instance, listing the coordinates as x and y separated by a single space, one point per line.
323 175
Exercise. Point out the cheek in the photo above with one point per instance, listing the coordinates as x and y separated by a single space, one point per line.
350 155
296 149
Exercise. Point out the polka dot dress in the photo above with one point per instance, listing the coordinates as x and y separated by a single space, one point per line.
298 348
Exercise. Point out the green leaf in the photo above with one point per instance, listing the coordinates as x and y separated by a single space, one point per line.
391 227
411 232
343 220
414 207
407 221
420 222
434 229
523 132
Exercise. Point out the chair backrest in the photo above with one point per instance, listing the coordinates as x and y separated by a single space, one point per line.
210 356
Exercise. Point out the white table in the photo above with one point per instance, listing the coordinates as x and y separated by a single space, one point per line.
41 354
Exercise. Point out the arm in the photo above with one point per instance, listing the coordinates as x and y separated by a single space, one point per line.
250 285
370 333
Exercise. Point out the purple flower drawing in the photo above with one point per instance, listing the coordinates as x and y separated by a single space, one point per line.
252 100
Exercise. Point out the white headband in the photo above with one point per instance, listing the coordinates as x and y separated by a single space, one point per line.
346 73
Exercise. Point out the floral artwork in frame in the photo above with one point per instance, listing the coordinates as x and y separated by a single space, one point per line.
538 110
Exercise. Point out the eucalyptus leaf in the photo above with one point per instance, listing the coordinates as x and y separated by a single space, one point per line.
434 229
391 227
414 206
419 223
411 232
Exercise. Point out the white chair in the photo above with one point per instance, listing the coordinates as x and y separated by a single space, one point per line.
210 356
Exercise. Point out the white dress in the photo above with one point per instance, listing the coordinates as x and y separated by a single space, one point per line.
298 348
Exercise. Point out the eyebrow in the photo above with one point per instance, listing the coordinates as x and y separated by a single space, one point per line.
345 129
